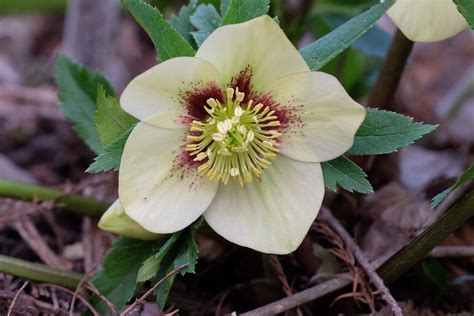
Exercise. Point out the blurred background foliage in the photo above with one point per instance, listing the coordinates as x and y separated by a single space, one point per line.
303 21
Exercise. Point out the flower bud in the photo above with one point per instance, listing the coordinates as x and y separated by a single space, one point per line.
116 221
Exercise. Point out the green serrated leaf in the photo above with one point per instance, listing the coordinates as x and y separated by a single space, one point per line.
179 249
168 42
117 277
184 251
384 132
182 22
78 94
111 121
110 158
151 266
464 178
346 174
240 11
325 49
466 7
205 19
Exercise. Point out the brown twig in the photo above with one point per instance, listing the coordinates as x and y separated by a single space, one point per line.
452 251
94 290
66 290
302 297
361 288
76 292
28 232
15 298
363 261
389 77
142 299
282 277
28 305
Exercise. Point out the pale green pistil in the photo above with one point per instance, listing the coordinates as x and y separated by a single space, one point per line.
235 140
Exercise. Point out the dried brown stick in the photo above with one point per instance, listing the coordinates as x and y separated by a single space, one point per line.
76 293
94 290
363 261
302 297
28 232
282 277
68 291
12 305
142 299
452 251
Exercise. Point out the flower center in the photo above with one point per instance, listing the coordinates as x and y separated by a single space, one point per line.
235 140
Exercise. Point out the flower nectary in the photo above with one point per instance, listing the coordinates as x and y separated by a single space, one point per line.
235 140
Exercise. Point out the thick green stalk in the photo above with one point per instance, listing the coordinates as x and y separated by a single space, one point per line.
39 272
391 72
28 192
420 247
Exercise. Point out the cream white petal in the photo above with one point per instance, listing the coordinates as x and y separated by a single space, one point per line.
258 46
322 117
169 92
427 20
115 220
272 215
157 186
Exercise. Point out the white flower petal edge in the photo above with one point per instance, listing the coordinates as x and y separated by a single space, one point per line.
272 215
157 187
259 46
427 20
158 96
115 220
326 116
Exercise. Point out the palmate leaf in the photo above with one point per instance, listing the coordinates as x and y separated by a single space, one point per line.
384 132
78 94
325 49
205 19
466 7
168 42
345 173
464 178
239 11
182 21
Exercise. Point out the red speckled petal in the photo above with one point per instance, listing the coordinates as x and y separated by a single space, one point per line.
173 93
159 186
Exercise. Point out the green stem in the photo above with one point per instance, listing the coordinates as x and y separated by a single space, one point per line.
28 192
407 257
39 272
391 72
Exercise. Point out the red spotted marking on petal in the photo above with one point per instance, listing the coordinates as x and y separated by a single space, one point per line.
288 114
243 82
184 166
195 99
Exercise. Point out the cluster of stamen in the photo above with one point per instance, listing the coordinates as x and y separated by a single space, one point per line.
235 140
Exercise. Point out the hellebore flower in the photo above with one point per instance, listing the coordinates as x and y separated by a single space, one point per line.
235 134
427 20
